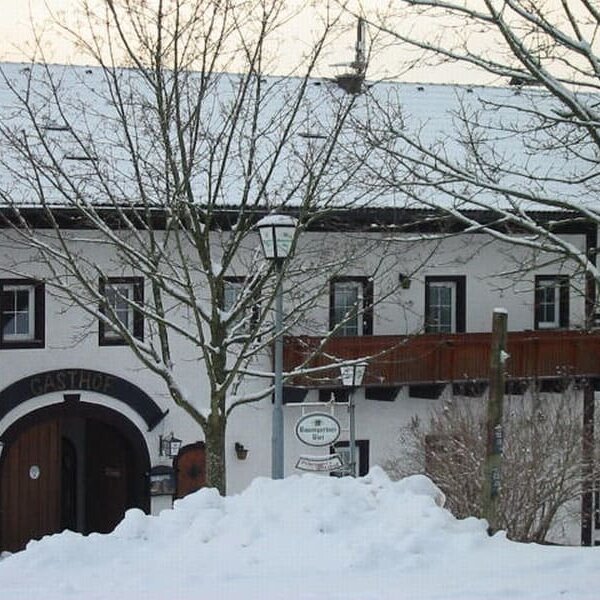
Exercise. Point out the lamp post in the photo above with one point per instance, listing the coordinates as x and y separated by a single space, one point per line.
277 236
352 377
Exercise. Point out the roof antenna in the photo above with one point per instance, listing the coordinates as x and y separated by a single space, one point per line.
352 81
360 57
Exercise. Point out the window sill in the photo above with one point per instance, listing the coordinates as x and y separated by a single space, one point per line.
21 345
116 341
112 342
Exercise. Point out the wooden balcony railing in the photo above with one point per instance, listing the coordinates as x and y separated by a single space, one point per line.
432 358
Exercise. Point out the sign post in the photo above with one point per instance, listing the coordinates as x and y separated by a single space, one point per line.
352 377
494 438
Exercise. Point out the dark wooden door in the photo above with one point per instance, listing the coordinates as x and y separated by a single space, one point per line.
190 469
108 477
68 513
30 486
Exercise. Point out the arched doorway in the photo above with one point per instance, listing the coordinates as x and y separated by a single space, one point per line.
76 466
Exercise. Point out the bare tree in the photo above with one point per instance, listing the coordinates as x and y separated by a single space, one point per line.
160 170
495 157
542 465
517 160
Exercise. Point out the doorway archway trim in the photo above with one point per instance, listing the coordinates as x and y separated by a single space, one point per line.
69 380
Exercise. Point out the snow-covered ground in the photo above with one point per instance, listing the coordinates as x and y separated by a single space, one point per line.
304 537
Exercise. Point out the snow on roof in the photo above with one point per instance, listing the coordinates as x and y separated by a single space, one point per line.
78 121
300 538
424 138
94 122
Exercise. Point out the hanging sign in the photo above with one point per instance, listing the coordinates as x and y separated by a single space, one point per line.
333 462
318 429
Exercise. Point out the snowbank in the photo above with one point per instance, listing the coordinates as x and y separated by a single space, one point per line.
302 537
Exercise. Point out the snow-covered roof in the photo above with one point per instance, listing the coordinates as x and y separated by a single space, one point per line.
480 147
94 122
76 116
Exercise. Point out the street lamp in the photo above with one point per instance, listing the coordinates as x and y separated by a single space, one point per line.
277 236
352 377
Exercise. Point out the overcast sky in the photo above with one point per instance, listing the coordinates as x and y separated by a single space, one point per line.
20 18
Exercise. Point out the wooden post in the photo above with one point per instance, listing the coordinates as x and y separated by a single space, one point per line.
587 451
494 433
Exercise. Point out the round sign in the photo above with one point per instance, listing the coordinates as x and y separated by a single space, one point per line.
34 472
318 429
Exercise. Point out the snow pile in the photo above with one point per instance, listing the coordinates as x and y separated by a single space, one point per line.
303 537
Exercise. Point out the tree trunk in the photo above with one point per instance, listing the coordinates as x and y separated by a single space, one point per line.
215 453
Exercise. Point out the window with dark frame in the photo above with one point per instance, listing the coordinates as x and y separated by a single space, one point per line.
233 287
22 318
350 306
551 301
335 394
123 295
445 304
362 457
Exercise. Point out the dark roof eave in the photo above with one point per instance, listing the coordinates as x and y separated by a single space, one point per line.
374 219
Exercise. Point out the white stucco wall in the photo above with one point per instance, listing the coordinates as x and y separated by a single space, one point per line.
493 279
497 274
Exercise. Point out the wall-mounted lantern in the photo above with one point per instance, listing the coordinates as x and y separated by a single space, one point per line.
241 451
169 445
404 280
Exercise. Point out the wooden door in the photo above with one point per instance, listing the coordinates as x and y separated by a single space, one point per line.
68 487
190 469
108 477
30 486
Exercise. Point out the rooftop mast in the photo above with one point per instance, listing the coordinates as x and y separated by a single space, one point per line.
352 82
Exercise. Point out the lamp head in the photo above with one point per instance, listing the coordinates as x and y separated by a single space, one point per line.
277 235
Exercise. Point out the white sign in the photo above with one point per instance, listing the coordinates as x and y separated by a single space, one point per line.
319 463
318 429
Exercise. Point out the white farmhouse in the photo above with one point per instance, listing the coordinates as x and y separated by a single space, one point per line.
88 429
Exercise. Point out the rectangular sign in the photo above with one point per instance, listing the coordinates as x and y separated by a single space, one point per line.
319 463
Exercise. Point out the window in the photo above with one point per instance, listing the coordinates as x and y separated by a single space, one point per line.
233 287
17 313
361 456
22 313
338 394
122 294
445 304
350 306
551 301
